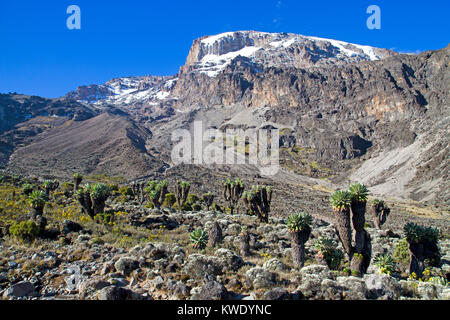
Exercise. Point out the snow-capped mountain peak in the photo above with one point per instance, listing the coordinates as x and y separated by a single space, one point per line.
212 54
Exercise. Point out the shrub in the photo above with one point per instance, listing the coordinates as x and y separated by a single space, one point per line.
156 192
169 200
24 231
67 188
385 263
27 189
340 200
184 207
104 218
125 191
332 255
192 198
199 238
115 187
401 253
377 202
93 197
99 191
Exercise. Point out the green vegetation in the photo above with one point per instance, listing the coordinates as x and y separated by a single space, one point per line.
416 233
37 200
199 238
156 191
298 222
377 202
24 231
93 197
181 193
27 189
208 199
327 250
232 192
169 200
340 200
258 201
125 191
358 192
385 263
401 253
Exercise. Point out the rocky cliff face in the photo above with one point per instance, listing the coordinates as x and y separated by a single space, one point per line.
355 112
212 54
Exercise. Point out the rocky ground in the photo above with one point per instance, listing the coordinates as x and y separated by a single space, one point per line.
147 254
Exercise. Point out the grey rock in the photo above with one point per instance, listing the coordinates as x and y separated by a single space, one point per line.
126 265
275 264
20 289
198 265
157 282
354 287
89 287
212 290
181 290
117 293
382 286
277 294
260 277
229 260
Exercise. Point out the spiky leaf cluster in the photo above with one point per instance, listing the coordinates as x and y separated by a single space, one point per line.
324 244
378 202
328 248
99 191
199 238
232 183
154 189
77 176
37 199
298 222
340 200
358 192
184 184
84 191
27 189
416 233
385 263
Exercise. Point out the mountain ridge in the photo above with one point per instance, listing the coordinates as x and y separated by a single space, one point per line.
347 114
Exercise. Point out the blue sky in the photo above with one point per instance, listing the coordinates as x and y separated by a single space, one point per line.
39 55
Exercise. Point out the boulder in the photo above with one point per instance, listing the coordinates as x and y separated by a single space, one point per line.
20 289
382 285
354 288
198 265
212 290
117 293
261 278
275 264
229 260
277 294
126 265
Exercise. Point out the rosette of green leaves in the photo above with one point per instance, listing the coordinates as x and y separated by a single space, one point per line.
340 200
199 238
298 222
358 192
